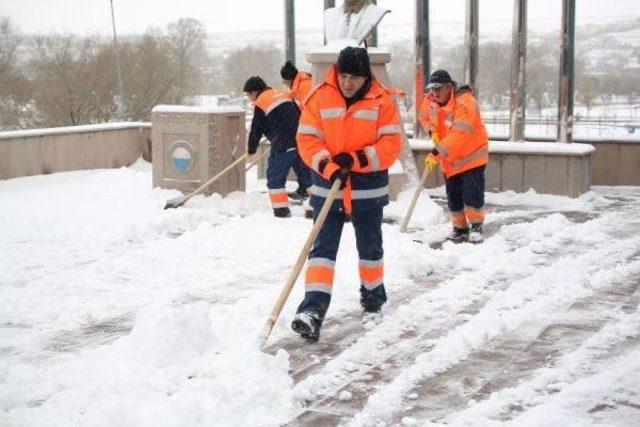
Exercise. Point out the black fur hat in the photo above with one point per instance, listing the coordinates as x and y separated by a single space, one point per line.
254 83
288 71
355 61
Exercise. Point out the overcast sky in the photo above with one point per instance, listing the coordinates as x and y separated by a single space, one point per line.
134 16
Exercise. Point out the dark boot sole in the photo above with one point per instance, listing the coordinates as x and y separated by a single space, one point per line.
304 330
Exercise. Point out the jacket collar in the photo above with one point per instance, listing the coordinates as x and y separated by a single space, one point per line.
300 77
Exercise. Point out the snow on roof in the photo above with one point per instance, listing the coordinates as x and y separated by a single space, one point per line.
522 147
195 110
72 129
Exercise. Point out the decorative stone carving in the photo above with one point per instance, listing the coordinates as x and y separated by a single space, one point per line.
192 144
355 20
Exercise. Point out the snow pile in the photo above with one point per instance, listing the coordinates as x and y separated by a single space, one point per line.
118 312
169 371
425 214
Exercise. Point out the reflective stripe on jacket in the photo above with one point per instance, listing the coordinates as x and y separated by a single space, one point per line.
301 87
276 116
462 138
369 130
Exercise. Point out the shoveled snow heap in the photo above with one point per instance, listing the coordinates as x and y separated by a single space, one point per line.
114 311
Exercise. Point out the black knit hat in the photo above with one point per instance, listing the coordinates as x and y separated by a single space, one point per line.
288 71
254 83
355 61
438 78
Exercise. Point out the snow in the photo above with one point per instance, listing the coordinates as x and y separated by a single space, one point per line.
72 129
522 147
339 26
196 109
116 311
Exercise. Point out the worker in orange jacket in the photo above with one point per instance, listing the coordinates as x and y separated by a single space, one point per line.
299 83
275 115
349 130
450 114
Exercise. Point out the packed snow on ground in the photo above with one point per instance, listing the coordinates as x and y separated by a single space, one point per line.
114 311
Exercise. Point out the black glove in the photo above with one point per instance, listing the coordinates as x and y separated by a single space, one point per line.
341 174
344 160
362 158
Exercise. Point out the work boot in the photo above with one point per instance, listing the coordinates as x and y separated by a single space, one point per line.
282 212
459 235
307 324
372 302
476 236
299 194
371 318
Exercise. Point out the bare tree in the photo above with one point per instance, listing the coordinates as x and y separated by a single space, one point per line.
148 74
72 80
402 76
494 73
263 61
164 67
587 90
15 90
542 74
185 40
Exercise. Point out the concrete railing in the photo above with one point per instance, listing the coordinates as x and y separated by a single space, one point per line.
112 145
547 167
43 151
615 163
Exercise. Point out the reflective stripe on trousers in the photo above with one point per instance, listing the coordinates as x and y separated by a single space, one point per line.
279 198
319 275
371 273
374 193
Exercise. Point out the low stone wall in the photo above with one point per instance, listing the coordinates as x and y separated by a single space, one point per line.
43 151
547 167
615 163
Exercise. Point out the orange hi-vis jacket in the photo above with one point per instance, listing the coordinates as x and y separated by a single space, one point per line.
460 135
369 130
301 87
276 116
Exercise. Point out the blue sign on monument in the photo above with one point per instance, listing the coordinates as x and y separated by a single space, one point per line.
182 156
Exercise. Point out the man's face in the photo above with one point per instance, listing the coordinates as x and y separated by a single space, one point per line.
350 84
252 95
288 83
441 93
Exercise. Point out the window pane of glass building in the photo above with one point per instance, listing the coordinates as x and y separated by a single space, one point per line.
607 71
544 19
494 65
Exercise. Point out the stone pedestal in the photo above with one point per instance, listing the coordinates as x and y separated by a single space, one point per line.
404 173
192 144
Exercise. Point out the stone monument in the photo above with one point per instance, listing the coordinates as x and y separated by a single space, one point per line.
350 25
191 144
355 20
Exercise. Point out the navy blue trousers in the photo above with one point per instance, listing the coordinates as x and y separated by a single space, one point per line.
368 229
278 168
466 189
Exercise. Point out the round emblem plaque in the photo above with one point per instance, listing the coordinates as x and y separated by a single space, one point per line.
182 156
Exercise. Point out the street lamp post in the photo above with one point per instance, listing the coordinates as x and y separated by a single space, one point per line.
120 105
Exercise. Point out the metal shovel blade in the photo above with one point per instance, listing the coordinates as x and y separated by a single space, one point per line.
175 203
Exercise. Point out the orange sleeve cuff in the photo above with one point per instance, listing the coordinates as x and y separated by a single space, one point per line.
329 170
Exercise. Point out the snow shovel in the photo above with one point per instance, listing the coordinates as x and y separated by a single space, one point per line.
407 217
179 201
284 294
257 159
